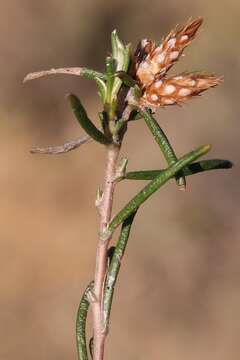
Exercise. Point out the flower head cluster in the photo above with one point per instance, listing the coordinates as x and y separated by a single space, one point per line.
152 63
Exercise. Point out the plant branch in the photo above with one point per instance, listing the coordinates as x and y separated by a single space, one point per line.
105 210
149 87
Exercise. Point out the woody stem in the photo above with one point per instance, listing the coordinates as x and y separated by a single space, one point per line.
105 209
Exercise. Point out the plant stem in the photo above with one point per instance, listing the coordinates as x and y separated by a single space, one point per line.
105 210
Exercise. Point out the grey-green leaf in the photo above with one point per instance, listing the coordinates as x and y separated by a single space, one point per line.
163 143
121 55
155 184
81 324
194 168
102 89
114 268
85 122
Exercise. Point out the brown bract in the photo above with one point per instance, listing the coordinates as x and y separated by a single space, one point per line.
177 89
152 63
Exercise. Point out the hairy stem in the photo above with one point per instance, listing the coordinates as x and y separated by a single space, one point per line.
105 210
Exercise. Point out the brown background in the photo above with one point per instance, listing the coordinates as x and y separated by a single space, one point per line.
178 296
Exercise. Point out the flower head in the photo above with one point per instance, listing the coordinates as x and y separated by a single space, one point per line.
152 63
177 89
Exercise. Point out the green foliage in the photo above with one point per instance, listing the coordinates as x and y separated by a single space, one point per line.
114 267
155 184
194 168
120 94
109 86
85 122
81 323
163 143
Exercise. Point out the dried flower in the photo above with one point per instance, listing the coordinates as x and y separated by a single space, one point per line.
177 89
152 63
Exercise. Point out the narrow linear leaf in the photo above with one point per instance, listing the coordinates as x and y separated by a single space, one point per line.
102 89
194 168
114 268
81 324
124 67
155 184
103 117
79 71
110 62
85 122
91 347
163 143
61 149
117 45
121 54
205 165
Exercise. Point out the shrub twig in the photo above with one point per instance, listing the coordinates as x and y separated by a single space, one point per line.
133 86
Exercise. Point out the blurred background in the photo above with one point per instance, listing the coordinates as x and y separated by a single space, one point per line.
178 295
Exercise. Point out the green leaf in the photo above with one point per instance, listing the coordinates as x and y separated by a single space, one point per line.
154 185
205 165
194 168
121 55
102 89
85 122
114 268
119 52
92 74
126 60
81 324
126 78
163 143
110 61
